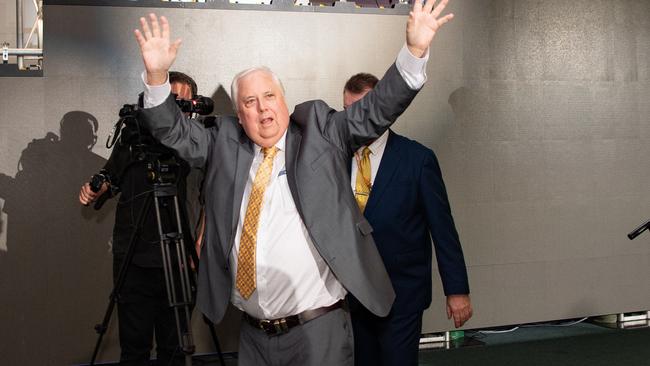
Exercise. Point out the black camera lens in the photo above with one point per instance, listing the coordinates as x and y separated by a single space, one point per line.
201 105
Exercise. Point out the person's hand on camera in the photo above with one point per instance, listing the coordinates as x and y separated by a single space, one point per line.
87 196
157 52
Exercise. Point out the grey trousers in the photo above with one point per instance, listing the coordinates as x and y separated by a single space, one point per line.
326 340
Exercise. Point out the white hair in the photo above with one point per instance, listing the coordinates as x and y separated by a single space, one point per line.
234 87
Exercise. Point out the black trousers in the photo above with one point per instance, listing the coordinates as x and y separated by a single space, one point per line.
390 341
144 311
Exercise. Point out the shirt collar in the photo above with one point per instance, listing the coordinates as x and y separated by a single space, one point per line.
281 144
377 145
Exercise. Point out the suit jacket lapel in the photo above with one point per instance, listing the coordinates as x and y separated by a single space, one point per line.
245 155
388 165
294 137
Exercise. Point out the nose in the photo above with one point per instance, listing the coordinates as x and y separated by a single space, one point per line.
262 105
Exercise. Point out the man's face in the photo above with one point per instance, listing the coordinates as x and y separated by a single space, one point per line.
349 97
261 108
182 90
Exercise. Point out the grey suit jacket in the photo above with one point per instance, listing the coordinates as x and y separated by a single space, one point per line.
319 145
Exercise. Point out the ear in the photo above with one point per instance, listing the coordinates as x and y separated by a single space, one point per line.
239 117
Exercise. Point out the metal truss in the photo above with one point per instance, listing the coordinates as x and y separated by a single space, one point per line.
22 51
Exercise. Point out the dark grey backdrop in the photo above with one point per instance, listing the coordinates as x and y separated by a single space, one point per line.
538 111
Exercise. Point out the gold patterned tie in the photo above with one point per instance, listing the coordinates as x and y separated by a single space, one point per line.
246 256
363 185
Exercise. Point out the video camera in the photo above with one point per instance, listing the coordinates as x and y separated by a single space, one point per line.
162 166
199 104
128 115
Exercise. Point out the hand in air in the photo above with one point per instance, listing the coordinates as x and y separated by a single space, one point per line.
423 23
157 52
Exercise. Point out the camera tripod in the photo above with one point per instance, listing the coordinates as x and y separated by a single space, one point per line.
177 279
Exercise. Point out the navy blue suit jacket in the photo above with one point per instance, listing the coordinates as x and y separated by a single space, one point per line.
408 207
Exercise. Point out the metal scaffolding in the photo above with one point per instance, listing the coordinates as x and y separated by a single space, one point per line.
22 52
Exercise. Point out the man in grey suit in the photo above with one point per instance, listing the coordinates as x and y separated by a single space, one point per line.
284 239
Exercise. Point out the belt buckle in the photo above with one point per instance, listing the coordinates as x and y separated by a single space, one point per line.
274 327
281 326
267 326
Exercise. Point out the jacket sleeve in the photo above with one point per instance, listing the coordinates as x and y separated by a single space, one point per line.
188 137
364 120
449 253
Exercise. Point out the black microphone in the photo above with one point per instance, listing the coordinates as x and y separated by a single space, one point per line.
96 182
636 232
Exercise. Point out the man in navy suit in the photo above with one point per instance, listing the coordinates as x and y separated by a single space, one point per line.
399 188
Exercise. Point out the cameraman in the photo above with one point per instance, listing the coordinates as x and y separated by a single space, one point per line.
142 303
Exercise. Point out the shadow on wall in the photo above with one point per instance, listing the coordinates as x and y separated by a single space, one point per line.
222 102
469 109
56 271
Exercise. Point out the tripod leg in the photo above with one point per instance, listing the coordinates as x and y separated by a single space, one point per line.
215 340
182 308
119 283
186 287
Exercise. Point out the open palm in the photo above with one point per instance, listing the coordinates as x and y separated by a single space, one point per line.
158 53
423 23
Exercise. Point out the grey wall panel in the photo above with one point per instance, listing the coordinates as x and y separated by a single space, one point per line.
538 112
56 254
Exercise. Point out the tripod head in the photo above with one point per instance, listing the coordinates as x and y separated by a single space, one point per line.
134 144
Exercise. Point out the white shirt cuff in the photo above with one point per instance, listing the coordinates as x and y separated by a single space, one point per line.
155 95
413 69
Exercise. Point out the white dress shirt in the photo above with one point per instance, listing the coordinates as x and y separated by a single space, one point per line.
291 275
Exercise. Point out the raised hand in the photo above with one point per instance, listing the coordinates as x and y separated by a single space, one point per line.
423 23
158 53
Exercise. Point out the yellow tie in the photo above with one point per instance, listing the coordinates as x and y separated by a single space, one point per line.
363 185
246 257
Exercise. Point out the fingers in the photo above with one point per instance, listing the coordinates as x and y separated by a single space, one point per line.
103 189
438 9
82 199
175 46
86 196
139 37
417 7
460 307
460 317
164 24
428 6
457 320
457 314
145 28
155 27
445 19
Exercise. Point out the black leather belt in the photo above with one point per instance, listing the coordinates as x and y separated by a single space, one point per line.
282 325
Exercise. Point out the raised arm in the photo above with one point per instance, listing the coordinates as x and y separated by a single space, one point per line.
369 117
161 115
